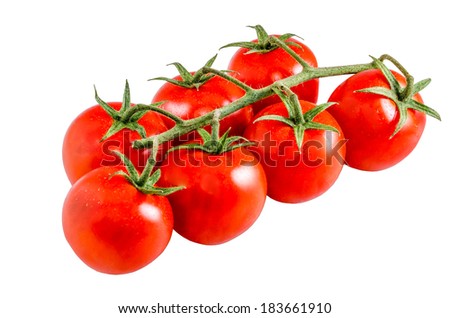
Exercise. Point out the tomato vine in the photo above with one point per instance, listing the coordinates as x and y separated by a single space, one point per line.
118 217
251 95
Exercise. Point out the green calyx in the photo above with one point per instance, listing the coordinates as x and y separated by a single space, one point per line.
213 143
126 117
146 181
265 43
189 80
401 96
296 119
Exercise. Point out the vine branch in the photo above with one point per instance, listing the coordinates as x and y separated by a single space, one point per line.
251 96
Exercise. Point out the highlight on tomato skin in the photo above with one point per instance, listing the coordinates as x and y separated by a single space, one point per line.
113 227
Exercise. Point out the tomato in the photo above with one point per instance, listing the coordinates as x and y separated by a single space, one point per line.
295 176
369 121
113 227
223 196
83 151
260 69
188 103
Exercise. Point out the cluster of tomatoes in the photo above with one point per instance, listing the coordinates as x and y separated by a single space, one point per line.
210 186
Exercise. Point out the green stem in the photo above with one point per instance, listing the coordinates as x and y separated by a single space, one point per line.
153 107
250 97
215 126
291 52
292 104
229 78
407 91
148 169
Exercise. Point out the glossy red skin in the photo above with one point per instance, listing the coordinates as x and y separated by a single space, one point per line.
262 69
294 177
113 227
188 103
224 194
83 151
368 121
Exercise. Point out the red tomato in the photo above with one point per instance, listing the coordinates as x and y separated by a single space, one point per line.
369 120
262 69
294 176
83 151
113 227
223 196
188 103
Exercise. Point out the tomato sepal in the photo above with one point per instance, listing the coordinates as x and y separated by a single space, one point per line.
264 42
126 117
402 97
144 182
213 145
188 79
212 142
296 119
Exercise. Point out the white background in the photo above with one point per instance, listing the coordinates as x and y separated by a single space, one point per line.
375 245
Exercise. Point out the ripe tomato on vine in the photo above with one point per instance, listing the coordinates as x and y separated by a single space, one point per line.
261 62
94 134
301 147
382 116
193 94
